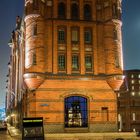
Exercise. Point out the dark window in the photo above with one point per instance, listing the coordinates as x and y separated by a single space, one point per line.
34 59
35 4
115 11
61 62
75 35
88 36
88 63
61 35
115 34
74 11
117 63
87 12
61 10
34 29
75 62
76 114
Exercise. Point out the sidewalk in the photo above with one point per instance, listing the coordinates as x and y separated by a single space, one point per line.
13 132
16 134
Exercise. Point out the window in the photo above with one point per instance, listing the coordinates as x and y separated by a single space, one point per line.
61 62
104 113
35 4
132 81
88 63
139 76
74 11
87 12
61 35
132 76
75 35
88 36
133 116
117 61
76 114
75 62
114 11
133 93
61 10
34 59
34 30
115 34
132 87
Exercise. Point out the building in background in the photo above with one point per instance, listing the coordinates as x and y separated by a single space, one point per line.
73 64
129 102
15 83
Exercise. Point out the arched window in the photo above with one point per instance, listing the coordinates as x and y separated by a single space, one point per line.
61 10
76 114
87 12
74 11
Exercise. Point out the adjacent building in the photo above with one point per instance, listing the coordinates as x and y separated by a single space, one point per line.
129 102
72 64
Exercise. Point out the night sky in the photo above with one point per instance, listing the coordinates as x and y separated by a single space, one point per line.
131 36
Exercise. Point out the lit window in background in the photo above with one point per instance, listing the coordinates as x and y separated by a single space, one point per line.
132 81
132 76
133 93
134 116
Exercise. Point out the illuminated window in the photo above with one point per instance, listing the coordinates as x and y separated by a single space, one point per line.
133 116
132 81
132 76
76 113
61 62
88 62
87 12
133 93
132 87
139 76
75 62
75 35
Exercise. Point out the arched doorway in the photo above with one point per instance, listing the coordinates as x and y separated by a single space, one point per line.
76 114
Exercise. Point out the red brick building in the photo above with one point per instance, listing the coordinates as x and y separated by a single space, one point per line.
73 63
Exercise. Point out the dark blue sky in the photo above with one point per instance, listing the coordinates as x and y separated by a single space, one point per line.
131 35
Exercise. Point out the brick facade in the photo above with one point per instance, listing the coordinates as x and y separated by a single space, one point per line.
73 56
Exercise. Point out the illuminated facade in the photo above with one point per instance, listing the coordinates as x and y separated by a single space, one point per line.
73 63
15 83
129 102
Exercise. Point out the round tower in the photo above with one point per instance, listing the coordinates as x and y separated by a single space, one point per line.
34 43
113 43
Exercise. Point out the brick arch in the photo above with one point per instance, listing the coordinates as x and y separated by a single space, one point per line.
76 93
